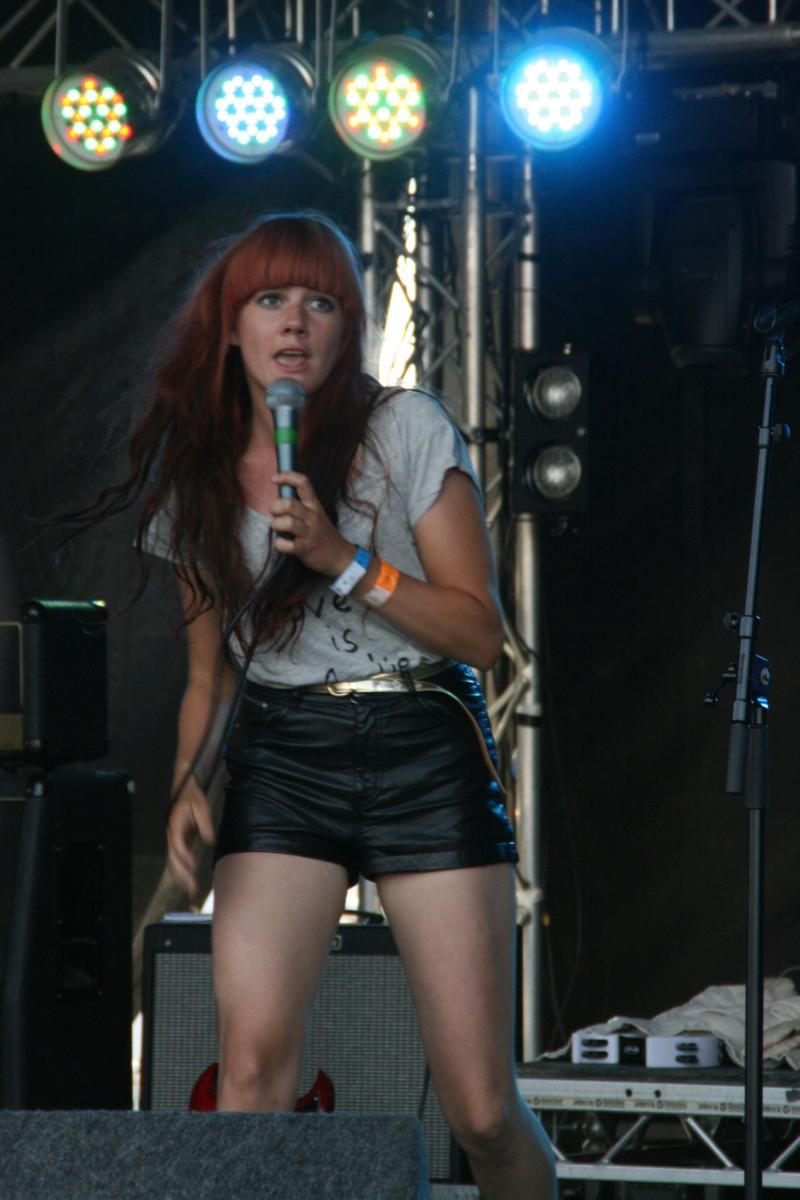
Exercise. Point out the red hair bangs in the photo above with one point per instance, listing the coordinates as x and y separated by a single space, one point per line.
294 250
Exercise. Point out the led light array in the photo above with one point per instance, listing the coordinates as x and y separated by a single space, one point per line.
252 110
244 111
385 94
86 120
108 109
95 114
554 94
386 103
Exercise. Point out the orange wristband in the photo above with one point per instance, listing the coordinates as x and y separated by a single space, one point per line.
384 585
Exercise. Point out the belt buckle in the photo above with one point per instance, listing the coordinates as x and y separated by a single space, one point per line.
338 689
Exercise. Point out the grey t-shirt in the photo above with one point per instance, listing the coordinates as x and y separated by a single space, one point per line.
410 446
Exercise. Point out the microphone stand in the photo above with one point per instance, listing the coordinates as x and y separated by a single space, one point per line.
747 748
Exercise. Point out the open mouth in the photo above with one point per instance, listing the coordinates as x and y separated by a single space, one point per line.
291 359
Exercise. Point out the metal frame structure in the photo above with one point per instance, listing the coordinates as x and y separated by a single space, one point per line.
35 40
474 207
650 1126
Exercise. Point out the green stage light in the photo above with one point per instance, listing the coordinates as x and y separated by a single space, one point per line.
94 117
383 95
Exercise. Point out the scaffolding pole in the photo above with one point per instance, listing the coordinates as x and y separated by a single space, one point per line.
473 289
527 608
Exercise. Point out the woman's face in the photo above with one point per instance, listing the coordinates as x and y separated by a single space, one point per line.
288 333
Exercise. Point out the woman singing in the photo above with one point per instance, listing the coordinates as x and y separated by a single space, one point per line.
361 744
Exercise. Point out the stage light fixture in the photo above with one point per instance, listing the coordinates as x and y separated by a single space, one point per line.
553 93
249 107
107 111
550 432
383 95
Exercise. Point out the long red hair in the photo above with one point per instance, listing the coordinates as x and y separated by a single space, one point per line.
186 451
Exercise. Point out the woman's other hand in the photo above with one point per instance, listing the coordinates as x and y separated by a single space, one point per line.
189 817
314 539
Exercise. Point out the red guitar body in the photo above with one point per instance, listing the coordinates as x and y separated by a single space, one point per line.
321 1096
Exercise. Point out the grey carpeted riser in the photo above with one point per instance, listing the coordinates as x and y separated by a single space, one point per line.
76 1155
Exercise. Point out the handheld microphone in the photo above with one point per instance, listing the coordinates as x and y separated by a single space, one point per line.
285 399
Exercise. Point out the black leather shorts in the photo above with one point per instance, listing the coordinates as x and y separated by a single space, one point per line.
377 782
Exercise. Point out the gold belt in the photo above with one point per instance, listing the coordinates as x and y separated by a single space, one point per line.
395 681
386 681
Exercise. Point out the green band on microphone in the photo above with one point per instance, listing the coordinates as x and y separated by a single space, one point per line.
285 437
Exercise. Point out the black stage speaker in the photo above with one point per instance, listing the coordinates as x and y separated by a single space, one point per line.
53 705
362 1031
210 1156
65 940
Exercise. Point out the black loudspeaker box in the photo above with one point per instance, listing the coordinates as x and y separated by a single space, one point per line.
362 1030
53 703
65 940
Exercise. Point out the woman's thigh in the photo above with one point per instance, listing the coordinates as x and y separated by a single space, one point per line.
275 916
455 931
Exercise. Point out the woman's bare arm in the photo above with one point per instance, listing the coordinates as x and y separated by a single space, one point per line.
201 718
455 612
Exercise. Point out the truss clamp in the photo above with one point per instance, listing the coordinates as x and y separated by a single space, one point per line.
480 435
529 900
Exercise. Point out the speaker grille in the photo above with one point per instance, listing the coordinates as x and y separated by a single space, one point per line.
362 1031
184 1034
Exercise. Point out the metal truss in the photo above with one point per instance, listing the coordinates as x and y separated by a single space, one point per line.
466 223
49 33
673 1127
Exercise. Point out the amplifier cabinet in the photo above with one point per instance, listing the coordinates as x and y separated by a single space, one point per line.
362 1029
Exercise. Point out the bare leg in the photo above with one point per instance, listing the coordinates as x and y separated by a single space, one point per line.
275 916
455 932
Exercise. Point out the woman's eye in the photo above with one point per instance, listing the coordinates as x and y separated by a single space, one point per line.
269 299
323 303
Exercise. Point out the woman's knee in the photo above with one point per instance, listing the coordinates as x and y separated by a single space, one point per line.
484 1126
258 1071
255 1087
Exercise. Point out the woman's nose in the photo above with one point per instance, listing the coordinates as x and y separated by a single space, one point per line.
295 317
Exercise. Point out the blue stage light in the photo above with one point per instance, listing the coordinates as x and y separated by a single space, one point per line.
246 109
552 94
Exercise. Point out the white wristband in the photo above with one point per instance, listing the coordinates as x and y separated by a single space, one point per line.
343 584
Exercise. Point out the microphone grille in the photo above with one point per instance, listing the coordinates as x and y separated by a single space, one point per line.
285 393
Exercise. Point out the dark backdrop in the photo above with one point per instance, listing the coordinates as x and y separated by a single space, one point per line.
644 853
